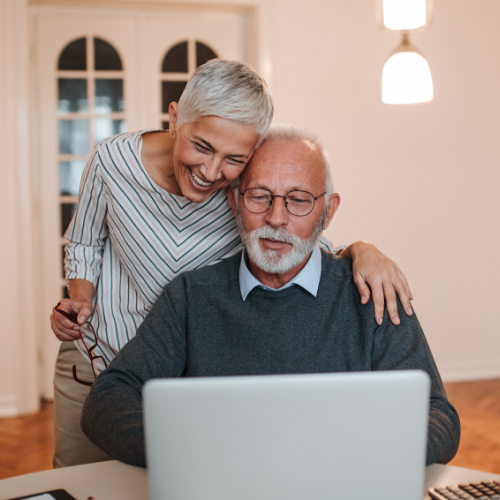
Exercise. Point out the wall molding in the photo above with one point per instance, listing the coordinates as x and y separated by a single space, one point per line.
469 373
8 406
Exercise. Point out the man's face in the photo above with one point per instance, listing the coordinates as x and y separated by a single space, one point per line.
282 167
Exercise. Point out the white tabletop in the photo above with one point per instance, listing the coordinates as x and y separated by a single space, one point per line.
111 480
116 481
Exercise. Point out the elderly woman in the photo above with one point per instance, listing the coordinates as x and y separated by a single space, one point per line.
152 205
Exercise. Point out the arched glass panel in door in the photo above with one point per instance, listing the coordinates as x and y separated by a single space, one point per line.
74 56
177 66
106 57
176 59
90 107
203 54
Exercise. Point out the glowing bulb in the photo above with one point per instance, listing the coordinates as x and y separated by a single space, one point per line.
406 77
404 15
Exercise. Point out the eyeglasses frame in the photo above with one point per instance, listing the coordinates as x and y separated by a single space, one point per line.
284 197
74 319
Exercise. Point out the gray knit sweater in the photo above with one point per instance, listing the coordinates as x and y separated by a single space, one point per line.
200 326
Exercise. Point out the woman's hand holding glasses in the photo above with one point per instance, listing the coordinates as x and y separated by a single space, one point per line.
80 305
89 348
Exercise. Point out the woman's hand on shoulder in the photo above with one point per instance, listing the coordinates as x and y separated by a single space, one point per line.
372 270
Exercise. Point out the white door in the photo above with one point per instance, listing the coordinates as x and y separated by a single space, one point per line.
100 73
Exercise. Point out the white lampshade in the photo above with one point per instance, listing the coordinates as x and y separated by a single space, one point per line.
406 77
404 15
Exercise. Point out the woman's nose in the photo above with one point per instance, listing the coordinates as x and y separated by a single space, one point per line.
212 170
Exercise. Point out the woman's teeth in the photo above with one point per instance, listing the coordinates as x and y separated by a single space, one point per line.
198 181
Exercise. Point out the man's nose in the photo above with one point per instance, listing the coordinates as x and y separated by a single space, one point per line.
277 215
212 169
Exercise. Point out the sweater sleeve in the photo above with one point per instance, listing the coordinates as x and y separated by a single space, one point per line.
112 416
405 347
88 229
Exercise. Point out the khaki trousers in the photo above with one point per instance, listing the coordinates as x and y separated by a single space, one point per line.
72 447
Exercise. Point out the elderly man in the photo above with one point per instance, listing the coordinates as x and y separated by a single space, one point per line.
284 306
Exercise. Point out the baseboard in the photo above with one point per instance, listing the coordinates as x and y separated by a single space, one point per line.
8 406
466 373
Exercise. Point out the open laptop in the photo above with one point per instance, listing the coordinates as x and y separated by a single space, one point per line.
351 436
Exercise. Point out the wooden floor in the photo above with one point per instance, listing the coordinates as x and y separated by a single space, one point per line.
26 443
478 405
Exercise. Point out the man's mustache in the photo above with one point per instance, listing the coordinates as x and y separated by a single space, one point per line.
281 234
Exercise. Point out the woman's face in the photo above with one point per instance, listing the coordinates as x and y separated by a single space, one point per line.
209 154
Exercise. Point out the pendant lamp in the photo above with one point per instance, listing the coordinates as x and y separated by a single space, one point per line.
406 77
404 15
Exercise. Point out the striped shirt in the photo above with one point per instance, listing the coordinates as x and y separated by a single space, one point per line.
129 238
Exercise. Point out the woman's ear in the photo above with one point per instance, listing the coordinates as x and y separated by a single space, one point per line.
172 115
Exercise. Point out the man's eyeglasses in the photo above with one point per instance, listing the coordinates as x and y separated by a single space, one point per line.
73 318
298 203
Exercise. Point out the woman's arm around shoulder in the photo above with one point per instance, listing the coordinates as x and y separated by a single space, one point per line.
376 274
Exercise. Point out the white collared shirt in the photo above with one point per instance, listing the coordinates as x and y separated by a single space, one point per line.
308 278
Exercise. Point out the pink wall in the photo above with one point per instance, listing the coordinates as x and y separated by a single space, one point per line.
420 181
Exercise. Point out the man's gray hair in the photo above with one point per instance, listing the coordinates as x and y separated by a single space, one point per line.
290 133
227 89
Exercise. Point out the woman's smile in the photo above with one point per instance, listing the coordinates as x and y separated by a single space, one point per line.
198 183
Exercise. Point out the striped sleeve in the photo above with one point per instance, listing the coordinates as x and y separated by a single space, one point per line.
325 244
88 229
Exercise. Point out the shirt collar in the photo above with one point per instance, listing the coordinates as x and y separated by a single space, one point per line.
308 278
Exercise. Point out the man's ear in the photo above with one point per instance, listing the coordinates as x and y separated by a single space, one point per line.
231 198
333 205
172 117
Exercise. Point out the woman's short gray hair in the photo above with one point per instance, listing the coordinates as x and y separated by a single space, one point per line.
227 89
290 133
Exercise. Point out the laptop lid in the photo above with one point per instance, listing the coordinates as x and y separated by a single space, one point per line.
344 436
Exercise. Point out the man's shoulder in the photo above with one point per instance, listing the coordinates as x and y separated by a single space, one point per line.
337 279
335 265
219 274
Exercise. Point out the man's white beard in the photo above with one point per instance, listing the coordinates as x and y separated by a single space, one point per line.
271 261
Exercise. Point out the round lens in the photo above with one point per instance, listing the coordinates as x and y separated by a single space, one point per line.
299 202
257 200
